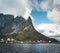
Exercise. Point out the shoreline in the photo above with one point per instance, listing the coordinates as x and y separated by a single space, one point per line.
29 42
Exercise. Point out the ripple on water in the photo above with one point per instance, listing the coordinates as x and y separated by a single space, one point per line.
29 48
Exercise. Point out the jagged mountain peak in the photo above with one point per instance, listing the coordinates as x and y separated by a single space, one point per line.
29 19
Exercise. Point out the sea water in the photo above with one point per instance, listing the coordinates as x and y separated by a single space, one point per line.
29 48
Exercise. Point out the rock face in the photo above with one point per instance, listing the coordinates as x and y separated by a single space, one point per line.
5 20
20 29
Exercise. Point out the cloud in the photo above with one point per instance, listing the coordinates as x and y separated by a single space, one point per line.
48 29
46 5
15 7
54 15
34 4
27 13
42 4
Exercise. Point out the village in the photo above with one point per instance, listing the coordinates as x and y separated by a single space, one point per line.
8 40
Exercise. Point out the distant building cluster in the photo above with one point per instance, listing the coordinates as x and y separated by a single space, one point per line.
8 40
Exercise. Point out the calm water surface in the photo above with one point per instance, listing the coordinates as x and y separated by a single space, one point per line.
29 48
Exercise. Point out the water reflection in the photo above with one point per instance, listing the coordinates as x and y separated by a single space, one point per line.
29 48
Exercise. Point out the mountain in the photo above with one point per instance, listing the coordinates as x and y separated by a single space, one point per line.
20 29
